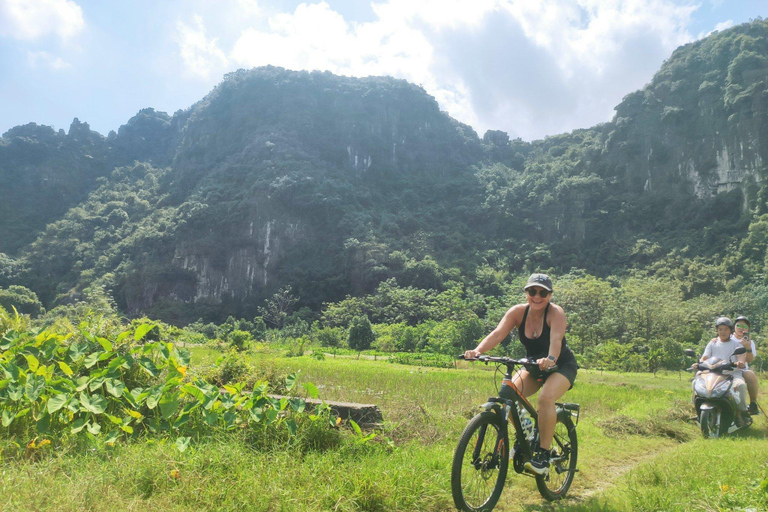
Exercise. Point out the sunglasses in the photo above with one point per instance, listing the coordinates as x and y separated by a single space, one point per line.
542 292
742 326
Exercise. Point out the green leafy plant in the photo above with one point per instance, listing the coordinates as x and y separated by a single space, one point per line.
74 384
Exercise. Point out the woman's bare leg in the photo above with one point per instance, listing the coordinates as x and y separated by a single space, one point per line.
525 383
554 388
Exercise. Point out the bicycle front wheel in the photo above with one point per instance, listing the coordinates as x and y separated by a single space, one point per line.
480 463
563 455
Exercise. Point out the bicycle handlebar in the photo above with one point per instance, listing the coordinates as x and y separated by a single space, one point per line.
510 362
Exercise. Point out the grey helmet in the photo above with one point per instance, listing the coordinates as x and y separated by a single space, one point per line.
724 320
743 319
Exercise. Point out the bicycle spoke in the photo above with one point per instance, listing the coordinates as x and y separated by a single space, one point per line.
563 463
479 465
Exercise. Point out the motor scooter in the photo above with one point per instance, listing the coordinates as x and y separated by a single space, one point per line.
714 399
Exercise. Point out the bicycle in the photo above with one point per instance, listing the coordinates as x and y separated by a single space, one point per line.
478 473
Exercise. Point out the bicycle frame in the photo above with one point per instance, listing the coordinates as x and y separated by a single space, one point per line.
507 409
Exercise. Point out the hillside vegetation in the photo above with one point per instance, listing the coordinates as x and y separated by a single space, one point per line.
340 186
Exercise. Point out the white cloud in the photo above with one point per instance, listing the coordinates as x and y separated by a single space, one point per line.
720 26
32 19
532 68
724 25
45 59
249 7
201 55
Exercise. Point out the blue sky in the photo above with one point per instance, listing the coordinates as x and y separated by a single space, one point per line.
531 68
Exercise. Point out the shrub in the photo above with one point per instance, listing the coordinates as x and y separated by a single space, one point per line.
238 339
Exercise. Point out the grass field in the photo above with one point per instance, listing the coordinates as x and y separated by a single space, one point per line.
636 452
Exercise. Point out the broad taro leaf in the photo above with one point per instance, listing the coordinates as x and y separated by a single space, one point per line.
43 425
118 362
271 415
61 385
312 390
92 359
11 372
149 366
66 369
298 405
154 397
94 428
115 387
229 418
142 331
15 392
211 418
76 351
290 381
105 355
32 362
139 395
291 423
35 386
82 383
169 404
105 344
257 414
194 391
180 421
114 419
78 425
182 356
96 404
97 383
57 402
182 443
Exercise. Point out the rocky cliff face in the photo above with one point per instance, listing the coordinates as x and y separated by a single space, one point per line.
701 125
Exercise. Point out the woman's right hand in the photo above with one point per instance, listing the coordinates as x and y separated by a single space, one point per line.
471 354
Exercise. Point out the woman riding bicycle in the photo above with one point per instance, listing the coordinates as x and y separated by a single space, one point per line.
541 328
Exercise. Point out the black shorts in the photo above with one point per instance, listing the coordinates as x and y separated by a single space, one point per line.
567 370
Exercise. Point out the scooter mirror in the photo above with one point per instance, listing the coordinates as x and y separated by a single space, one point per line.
690 352
739 351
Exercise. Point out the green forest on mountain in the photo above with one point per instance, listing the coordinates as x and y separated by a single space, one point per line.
307 205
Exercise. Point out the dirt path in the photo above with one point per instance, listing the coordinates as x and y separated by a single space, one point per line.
587 485
612 471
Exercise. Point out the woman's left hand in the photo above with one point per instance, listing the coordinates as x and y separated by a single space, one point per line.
545 363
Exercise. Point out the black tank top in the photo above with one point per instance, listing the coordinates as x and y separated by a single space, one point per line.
539 347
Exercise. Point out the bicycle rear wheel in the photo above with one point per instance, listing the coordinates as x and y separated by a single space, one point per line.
563 457
480 463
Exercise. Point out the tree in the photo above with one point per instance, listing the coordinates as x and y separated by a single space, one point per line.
360 334
24 300
276 309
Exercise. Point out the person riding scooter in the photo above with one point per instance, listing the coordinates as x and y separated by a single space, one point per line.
723 347
742 336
